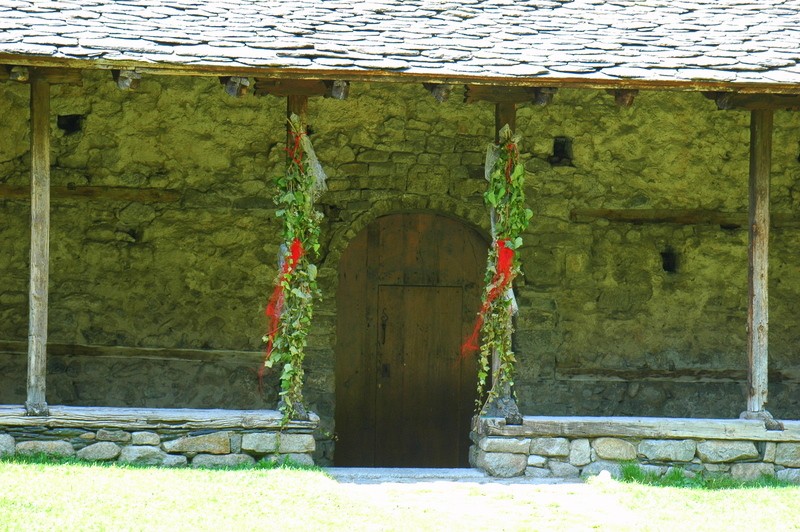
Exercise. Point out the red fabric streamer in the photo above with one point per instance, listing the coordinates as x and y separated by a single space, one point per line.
275 305
296 151
499 285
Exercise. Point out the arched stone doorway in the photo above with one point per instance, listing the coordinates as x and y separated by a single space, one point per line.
409 289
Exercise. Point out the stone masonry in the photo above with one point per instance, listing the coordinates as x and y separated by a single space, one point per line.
585 455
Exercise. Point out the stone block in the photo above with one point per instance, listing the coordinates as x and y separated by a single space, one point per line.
580 452
789 475
214 443
595 468
668 450
534 460
260 442
656 470
104 450
298 458
113 435
52 448
715 451
142 455
550 446
769 451
788 454
563 469
175 460
224 460
88 436
7 445
497 444
236 443
296 443
538 472
503 465
752 471
145 438
614 449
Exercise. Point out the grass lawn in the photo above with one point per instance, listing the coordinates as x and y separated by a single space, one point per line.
67 496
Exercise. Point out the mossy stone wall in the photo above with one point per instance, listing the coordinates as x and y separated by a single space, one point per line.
195 273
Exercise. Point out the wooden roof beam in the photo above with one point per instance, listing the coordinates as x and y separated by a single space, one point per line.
752 102
53 76
505 94
338 89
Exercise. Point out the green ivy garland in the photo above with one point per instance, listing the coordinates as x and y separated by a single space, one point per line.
505 198
290 308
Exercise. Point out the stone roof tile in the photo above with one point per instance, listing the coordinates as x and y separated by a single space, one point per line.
659 40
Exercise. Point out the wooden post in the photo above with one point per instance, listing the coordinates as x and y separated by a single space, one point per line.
36 405
297 105
504 113
758 311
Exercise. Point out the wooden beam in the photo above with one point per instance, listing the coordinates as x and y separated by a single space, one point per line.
141 195
694 375
92 417
36 405
576 82
296 105
291 87
144 353
751 102
54 76
726 220
641 427
758 254
508 94
505 113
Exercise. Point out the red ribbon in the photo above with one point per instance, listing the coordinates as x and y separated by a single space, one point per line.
275 305
296 151
499 285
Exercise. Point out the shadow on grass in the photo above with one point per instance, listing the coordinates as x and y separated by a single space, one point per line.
677 477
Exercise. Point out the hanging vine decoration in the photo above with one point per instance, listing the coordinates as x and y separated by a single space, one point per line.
505 198
289 310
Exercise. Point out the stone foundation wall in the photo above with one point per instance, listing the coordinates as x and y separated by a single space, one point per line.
160 442
696 446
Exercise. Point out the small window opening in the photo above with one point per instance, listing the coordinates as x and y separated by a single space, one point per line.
669 260
562 152
70 124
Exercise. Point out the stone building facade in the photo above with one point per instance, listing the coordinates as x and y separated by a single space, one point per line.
168 291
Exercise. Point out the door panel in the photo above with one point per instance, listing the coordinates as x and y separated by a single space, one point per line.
409 289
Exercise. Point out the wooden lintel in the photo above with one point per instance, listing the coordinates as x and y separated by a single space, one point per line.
143 195
726 220
291 87
750 102
758 258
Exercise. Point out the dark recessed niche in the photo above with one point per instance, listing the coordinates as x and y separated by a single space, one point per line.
70 124
562 152
669 260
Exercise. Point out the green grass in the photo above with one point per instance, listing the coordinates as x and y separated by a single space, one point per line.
679 478
47 494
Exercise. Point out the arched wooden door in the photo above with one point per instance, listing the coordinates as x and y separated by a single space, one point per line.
409 290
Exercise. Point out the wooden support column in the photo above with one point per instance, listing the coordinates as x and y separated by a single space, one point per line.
297 105
758 311
504 113
36 405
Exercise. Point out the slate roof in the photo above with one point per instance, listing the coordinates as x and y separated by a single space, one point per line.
737 41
